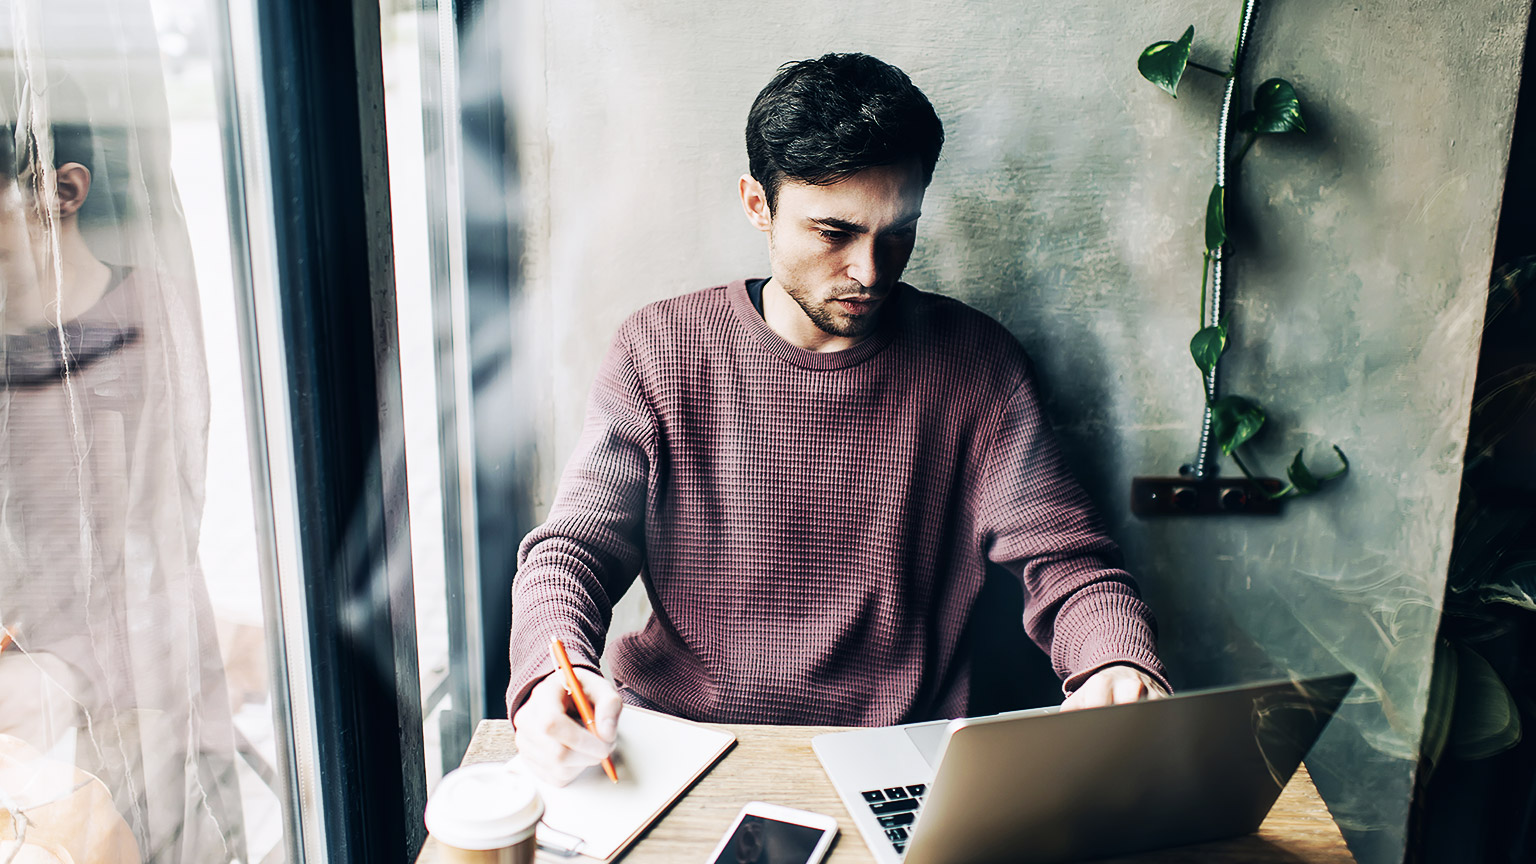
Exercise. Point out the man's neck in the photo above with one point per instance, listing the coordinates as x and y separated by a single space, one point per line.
82 281
785 317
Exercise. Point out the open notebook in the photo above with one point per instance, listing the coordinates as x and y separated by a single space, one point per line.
658 757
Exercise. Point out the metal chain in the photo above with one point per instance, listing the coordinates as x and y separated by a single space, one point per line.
1211 315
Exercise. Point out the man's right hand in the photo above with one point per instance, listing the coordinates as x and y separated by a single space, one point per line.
550 737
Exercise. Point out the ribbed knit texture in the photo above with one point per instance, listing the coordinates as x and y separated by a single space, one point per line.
813 528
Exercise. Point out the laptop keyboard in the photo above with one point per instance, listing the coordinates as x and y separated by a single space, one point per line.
896 808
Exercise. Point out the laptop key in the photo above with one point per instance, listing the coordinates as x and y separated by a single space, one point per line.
896 833
900 847
894 793
874 795
896 819
885 807
917 790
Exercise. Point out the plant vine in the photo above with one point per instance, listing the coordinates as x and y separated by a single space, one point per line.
1276 110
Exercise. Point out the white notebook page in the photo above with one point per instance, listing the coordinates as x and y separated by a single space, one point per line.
655 758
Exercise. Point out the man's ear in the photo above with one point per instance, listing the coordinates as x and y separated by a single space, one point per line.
73 182
754 202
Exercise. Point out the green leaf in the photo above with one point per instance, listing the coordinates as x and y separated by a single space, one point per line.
1234 420
1301 477
1275 110
1304 482
1486 720
1163 63
1216 219
1341 470
1207 346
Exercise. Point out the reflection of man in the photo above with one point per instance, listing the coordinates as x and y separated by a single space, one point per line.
761 841
46 281
748 848
812 471
112 663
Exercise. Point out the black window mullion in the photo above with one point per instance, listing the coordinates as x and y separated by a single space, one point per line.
323 83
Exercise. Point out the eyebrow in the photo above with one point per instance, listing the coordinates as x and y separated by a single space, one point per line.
854 227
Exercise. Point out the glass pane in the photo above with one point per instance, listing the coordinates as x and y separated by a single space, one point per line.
135 701
399 33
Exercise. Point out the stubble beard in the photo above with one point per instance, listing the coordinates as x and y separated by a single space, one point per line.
828 321
821 313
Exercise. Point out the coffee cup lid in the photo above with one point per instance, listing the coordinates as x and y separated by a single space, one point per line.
483 806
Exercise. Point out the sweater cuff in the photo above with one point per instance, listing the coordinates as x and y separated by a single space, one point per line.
1119 631
529 670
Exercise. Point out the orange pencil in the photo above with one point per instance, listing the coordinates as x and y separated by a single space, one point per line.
579 696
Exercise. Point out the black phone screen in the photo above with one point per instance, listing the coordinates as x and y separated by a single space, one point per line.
759 840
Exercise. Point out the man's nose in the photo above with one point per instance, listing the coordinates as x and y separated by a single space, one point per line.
864 263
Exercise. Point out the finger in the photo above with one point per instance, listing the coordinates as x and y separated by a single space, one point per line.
606 704
534 744
1075 701
1100 693
546 714
1128 688
1093 694
536 751
568 732
550 760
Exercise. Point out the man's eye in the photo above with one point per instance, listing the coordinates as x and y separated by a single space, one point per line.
833 236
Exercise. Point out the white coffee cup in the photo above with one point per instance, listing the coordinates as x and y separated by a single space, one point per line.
484 814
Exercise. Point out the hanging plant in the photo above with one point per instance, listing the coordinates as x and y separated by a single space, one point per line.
1231 421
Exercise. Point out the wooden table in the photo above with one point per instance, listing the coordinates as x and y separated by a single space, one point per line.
775 764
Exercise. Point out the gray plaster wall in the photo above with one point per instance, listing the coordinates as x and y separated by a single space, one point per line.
1068 205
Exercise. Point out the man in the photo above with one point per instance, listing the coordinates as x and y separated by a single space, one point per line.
811 471
108 656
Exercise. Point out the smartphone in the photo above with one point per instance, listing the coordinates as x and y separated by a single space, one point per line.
769 834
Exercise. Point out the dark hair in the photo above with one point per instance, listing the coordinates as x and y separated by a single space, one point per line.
102 148
820 121
72 142
101 151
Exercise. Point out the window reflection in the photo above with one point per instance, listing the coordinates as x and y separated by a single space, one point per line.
117 734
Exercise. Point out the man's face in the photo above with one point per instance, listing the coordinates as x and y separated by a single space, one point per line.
22 262
838 250
32 227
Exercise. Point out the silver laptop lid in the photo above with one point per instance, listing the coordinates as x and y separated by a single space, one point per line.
1105 781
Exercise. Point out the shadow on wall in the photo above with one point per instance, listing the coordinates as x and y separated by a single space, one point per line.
1008 670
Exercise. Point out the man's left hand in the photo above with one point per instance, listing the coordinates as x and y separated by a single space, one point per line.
1114 685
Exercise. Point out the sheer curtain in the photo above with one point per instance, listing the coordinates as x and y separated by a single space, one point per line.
116 741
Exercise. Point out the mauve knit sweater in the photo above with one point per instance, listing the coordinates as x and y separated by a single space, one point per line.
813 528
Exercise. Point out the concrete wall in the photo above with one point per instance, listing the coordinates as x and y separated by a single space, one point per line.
1068 205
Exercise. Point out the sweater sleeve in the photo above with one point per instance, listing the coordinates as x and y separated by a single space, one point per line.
1081 607
574 567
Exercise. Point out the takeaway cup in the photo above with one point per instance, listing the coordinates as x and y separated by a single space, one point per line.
484 814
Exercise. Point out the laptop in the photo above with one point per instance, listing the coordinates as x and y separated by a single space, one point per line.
1042 786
